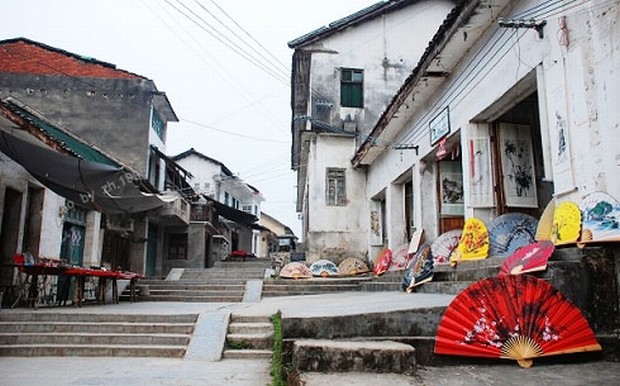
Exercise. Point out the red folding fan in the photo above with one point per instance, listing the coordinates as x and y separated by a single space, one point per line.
513 317
530 258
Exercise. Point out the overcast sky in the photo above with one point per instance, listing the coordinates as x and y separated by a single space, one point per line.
233 102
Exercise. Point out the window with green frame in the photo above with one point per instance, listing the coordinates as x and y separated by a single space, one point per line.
351 87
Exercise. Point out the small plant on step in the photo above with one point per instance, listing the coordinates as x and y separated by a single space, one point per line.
277 375
238 345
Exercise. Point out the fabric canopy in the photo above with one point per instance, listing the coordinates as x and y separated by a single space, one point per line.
91 185
231 213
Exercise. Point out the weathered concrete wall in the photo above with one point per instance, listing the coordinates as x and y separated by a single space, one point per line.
344 228
112 114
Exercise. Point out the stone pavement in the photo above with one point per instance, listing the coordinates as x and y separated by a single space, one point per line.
201 365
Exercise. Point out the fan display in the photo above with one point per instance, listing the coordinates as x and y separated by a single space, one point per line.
323 268
474 243
544 230
600 215
416 239
421 270
400 258
383 262
352 266
444 245
566 223
295 270
509 232
531 258
513 317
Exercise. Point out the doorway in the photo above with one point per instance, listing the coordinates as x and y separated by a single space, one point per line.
9 234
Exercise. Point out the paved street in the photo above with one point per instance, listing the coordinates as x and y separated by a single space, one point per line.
202 367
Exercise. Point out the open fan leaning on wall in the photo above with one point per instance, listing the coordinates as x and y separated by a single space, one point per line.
352 266
444 245
295 270
513 317
421 270
324 268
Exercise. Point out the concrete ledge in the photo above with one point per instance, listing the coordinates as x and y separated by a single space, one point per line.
345 356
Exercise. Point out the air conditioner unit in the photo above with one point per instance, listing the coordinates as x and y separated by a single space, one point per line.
119 223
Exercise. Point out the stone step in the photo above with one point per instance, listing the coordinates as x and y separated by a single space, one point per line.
263 263
93 350
195 287
253 340
100 327
221 281
443 287
359 356
221 275
246 328
300 292
93 339
247 354
240 318
319 281
381 287
195 299
41 316
310 287
235 291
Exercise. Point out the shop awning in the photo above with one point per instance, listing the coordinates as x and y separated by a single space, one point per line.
232 214
93 185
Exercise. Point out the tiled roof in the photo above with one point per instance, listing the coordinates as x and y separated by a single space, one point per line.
22 55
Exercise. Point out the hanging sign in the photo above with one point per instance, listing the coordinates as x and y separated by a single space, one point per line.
439 126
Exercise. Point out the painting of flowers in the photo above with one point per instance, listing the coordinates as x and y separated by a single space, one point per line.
518 165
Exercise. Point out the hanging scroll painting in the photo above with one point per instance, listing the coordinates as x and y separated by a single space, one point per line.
518 166
451 188
481 192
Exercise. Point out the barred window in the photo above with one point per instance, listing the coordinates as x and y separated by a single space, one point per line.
335 191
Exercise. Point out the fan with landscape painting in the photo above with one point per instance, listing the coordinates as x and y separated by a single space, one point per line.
600 218
324 268
513 317
444 245
509 232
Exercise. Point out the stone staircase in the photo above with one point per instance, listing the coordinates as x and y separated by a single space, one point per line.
77 334
314 286
224 283
249 337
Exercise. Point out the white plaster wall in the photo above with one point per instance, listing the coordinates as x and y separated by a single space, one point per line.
203 172
331 228
399 38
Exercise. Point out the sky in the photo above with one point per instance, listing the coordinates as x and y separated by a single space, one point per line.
224 65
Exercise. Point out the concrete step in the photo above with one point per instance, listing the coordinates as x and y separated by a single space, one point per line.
261 263
93 339
97 327
222 275
235 291
247 354
240 318
93 350
443 287
300 292
17 315
195 287
251 340
381 286
50 333
195 299
219 281
310 287
359 356
247 328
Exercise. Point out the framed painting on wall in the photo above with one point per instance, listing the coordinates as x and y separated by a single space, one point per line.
481 188
451 188
517 160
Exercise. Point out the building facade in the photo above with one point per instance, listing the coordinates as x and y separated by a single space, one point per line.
343 77
511 107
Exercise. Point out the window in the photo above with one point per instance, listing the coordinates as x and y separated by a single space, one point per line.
351 88
157 124
177 247
226 198
335 191
248 208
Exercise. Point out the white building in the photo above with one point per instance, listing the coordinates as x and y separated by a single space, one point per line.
344 75
512 106
213 179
